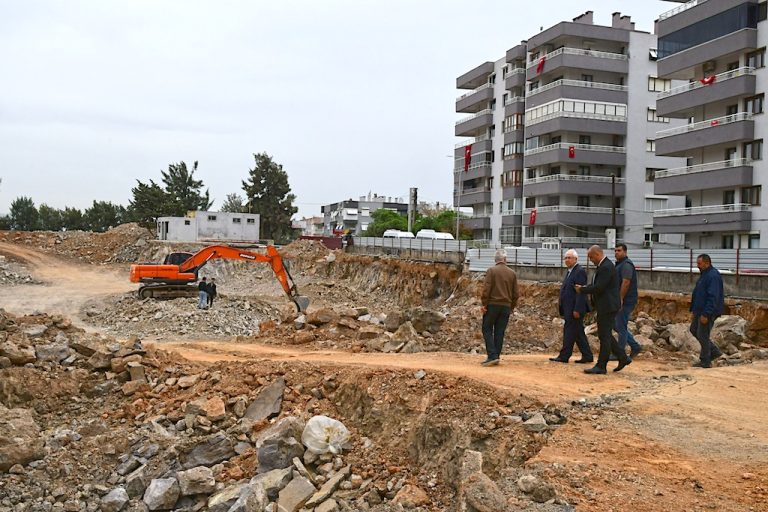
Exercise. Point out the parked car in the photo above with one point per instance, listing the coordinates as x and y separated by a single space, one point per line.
435 235
396 233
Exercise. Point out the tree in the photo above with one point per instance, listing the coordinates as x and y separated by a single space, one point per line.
383 220
268 194
103 215
149 202
184 190
72 219
49 218
233 204
24 215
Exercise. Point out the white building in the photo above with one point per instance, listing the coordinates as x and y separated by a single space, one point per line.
199 226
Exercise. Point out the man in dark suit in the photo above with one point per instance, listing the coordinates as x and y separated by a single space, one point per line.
573 306
605 298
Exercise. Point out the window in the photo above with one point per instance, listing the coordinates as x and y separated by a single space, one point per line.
492 104
754 240
187 223
756 59
585 139
512 179
650 236
653 54
587 78
732 66
751 195
584 170
530 202
533 86
505 71
512 150
726 242
236 220
656 84
753 150
211 218
654 118
729 196
731 110
730 154
653 203
754 104
580 108
513 122
582 201
250 221
650 145
650 173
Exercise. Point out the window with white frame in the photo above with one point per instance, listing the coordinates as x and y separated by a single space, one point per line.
653 203
616 111
656 84
650 145
655 118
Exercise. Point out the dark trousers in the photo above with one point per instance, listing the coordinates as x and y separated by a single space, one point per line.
701 332
608 344
622 328
495 322
210 299
573 332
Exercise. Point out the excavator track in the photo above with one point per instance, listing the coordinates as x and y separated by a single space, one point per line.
167 291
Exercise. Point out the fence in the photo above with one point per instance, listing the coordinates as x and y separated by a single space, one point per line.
424 249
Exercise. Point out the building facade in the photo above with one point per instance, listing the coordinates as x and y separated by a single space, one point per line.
560 145
309 226
354 216
199 226
717 48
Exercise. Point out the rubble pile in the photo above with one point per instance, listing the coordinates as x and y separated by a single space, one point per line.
127 314
12 273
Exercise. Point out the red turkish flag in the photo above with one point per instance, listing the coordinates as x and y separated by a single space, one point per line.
540 65
714 122
708 80
467 156
532 217
571 151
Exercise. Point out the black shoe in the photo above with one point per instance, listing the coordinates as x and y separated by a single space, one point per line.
613 358
622 364
717 356
490 362
584 361
702 365
633 353
558 360
595 370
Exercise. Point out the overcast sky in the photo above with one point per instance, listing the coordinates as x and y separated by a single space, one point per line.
351 96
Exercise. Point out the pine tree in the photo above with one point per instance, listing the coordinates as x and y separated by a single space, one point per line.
24 215
184 190
233 204
149 202
268 194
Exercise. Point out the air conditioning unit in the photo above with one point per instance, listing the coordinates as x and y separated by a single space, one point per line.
647 244
709 66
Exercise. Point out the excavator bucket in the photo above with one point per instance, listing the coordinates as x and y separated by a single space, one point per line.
302 303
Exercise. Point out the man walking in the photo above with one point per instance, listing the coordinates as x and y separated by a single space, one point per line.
573 306
202 292
605 296
211 292
627 275
707 303
499 300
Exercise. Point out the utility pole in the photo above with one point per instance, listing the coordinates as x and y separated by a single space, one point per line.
412 206
458 205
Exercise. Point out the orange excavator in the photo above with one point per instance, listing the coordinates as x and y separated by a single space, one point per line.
176 275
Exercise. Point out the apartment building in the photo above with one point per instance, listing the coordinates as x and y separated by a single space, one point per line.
717 48
561 134
356 215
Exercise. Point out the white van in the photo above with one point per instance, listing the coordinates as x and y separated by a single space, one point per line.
396 233
434 235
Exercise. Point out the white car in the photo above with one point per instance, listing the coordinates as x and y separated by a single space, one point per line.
396 233
434 235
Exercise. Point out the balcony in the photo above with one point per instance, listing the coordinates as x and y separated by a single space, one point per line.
557 184
682 64
514 105
482 143
580 59
681 140
698 219
476 222
511 218
574 215
473 196
515 78
477 170
474 125
583 154
578 90
476 77
681 101
725 174
512 191
558 119
475 100
677 10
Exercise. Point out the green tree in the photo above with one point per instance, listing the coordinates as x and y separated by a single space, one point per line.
383 220
49 218
5 223
233 204
149 202
24 215
268 194
103 215
72 219
184 190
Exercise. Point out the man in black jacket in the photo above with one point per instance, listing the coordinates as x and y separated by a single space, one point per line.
605 297
211 292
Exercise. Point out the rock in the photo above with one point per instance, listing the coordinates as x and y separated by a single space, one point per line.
412 347
214 409
680 338
328 487
20 440
536 423
483 494
253 498
405 333
216 448
134 386
197 480
100 361
86 346
303 337
411 496
419 375
136 482
539 490
52 352
295 494
368 332
136 370
394 320
273 481
19 354
426 320
328 506
34 330
188 381
268 402
115 500
322 316
278 453
290 426
729 330
222 501
161 494
5 362
392 346
300 322
644 341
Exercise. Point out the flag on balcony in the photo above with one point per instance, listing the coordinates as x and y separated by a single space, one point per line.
540 65
571 151
532 217
708 80
714 122
467 156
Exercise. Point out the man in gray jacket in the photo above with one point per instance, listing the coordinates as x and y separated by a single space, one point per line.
499 300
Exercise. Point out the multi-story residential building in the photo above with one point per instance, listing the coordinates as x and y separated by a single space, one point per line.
561 133
718 49
309 226
356 215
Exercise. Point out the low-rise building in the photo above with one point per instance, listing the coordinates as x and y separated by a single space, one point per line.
199 226
354 216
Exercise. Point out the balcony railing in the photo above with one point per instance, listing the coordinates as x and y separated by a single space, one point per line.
515 71
678 10
514 99
564 239
578 115
465 191
464 143
478 165
710 166
572 177
580 147
579 51
473 91
469 118
700 210
721 77
579 83
511 212
702 125
574 209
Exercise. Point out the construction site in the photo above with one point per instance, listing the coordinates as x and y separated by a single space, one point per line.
112 401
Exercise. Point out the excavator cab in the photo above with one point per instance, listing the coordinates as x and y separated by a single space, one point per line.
177 258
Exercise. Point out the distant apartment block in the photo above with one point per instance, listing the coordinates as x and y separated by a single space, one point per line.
717 49
200 226
559 141
309 226
356 215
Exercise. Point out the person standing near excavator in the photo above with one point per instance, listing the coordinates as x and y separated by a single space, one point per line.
202 292
211 292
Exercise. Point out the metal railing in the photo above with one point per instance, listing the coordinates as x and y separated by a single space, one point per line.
710 166
574 209
579 83
579 51
678 10
565 240
473 116
459 170
466 191
703 125
572 177
700 210
464 143
511 212
581 147
514 99
578 115
515 71
721 77
473 91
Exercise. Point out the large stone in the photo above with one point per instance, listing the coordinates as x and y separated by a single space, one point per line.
34 330
426 320
328 506
278 453
188 381
273 481
114 501
197 480
369 332
161 494
483 494
394 320
222 501
214 409
681 339
412 347
295 495
328 488
405 333
729 330
87 346
136 482
539 490
536 423
216 448
411 496
134 386
52 352
290 426
268 402
100 361
322 316
253 498
644 341
19 353
20 440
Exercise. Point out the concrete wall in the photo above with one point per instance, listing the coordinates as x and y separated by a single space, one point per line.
210 226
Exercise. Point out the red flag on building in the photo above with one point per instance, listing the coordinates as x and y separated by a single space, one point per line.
571 151
467 156
714 122
532 217
540 65
709 80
